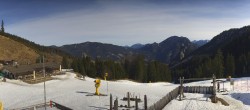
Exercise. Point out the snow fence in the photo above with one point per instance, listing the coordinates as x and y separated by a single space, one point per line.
159 105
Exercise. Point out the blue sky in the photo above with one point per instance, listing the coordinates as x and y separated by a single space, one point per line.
120 22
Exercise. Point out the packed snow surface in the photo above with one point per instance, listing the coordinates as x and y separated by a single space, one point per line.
78 94
237 95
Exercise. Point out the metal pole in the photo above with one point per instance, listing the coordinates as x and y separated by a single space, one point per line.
111 102
182 82
145 102
128 99
107 87
136 103
44 75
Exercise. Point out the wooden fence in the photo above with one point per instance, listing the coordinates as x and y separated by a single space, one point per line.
198 89
159 105
41 106
59 106
32 107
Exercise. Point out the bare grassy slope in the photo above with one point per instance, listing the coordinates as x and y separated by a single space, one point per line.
12 50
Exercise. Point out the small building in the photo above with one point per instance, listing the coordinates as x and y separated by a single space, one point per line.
9 62
15 72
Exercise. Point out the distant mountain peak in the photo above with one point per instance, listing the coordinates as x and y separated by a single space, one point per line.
175 38
137 46
200 42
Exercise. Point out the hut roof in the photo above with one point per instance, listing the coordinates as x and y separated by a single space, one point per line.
30 68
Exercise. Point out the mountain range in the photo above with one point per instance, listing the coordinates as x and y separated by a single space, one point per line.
174 50
170 50
233 41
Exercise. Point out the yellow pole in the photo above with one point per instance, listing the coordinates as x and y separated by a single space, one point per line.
1 105
96 91
97 85
105 76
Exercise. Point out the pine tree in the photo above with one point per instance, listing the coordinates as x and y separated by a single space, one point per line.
100 68
207 68
198 72
65 62
139 68
74 65
248 63
152 71
80 67
242 65
167 73
229 66
218 64
2 27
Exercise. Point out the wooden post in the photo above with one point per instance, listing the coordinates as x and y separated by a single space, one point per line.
136 103
111 102
145 102
34 75
180 90
128 100
214 100
223 87
116 104
182 81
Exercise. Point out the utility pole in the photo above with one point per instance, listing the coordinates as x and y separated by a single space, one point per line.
44 75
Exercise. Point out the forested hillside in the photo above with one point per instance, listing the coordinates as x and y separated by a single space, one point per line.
227 54
134 67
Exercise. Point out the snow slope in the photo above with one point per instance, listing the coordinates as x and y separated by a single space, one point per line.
77 94
238 97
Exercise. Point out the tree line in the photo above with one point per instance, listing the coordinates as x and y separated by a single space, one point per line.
221 64
138 69
133 68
